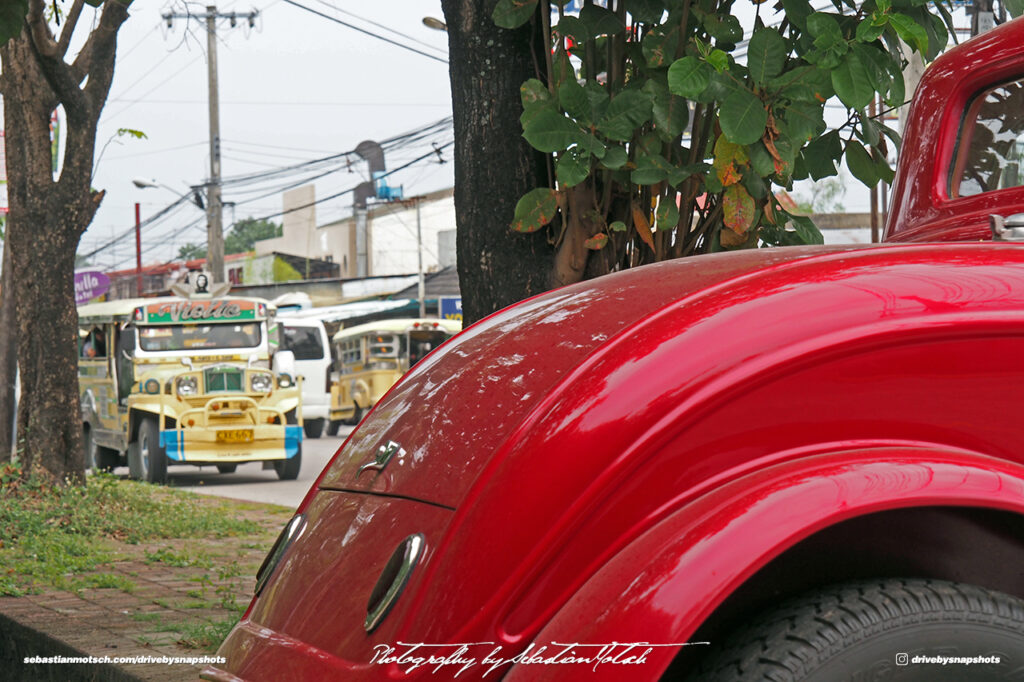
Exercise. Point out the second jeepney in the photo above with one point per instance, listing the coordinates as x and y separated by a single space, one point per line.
189 380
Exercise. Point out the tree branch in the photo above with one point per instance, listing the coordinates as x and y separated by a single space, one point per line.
39 30
69 27
101 46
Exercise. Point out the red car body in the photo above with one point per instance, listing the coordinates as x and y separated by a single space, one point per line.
654 455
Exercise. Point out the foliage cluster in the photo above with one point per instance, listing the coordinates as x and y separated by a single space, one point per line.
241 239
54 535
668 131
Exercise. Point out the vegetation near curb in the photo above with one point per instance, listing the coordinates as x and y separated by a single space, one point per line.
58 536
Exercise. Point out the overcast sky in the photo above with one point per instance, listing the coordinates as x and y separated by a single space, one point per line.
294 88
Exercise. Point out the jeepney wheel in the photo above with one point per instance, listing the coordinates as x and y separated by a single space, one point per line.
227 468
147 461
288 469
875 629
97 457
333 426
314 428
356 417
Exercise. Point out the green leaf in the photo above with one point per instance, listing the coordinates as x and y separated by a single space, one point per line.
563 68
743 117
550 131
513 13
761 161
910 31
130 132
659 46
804 84
803 121
599 99
821 155
688 77
573 167
806 230
12 19
536 209
670 113
738 209
628 111
600 21
647 11
597 242
573 98
533 92
852 81
667 215
766 55
797 12
571 26
618 226
860 164
614 158
718 60
868 31
725 28
650 170
825 30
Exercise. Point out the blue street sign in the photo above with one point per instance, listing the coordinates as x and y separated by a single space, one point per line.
449 307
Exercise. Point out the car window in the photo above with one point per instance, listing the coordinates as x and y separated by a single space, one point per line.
304 342
991 142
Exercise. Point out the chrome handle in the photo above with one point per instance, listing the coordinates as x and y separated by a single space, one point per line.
393 580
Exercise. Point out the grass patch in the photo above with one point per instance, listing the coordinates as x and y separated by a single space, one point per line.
206 636
54 534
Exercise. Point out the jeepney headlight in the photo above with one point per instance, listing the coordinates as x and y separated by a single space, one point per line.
261 383
285 381
186 386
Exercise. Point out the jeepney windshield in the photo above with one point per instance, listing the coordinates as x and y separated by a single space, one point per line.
199 336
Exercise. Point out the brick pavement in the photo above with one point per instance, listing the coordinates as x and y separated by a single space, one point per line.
156 618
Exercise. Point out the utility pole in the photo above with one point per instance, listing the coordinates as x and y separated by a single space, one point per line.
214 206
982 17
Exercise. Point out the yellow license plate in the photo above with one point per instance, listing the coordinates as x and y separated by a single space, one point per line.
234 436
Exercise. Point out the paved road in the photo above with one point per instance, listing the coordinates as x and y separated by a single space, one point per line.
251 482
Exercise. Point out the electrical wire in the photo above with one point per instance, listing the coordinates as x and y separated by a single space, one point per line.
369 33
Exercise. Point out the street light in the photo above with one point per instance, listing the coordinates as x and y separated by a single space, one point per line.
143 183
436 24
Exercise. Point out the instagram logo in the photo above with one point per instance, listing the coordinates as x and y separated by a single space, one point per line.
901 659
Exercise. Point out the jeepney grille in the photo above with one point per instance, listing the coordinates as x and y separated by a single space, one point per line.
226 379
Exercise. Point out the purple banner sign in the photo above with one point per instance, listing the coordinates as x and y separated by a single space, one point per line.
89 285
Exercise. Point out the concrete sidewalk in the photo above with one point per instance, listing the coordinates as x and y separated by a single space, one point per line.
169 608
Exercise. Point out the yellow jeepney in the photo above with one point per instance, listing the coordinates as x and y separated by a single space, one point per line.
186 381
371 357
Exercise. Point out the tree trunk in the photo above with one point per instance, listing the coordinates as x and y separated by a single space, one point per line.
494 165
8 358
48 217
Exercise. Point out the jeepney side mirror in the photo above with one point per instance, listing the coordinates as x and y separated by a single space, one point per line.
253 359
284 362
187 362
1008 229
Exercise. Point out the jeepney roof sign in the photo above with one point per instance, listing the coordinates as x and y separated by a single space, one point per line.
218 310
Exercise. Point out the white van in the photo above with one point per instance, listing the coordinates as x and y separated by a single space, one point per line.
308 340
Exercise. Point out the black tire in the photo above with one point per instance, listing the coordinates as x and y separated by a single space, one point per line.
873 630
333 426
147 461
227 468
288 469
313 428
97 457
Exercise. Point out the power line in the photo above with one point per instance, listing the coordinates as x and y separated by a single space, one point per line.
369 33
381 26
